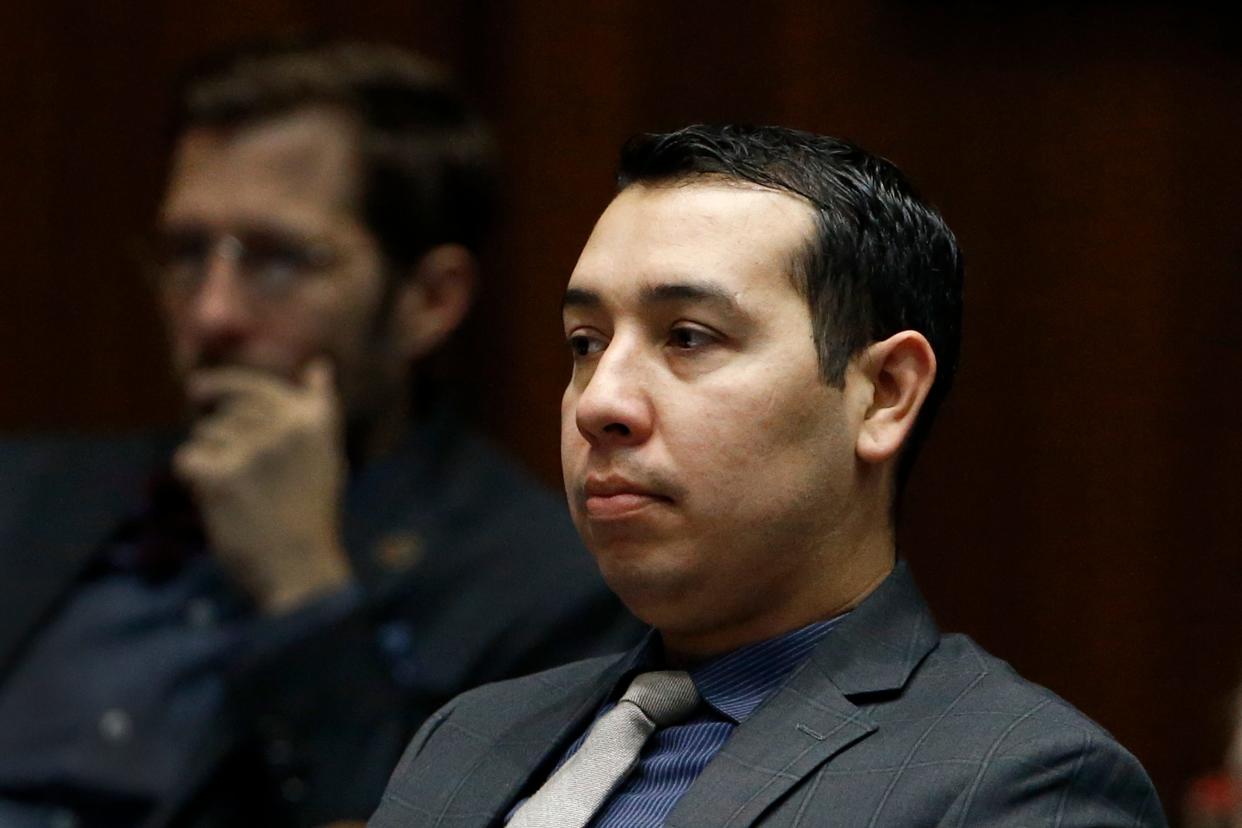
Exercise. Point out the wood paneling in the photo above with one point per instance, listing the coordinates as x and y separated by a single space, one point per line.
1074 510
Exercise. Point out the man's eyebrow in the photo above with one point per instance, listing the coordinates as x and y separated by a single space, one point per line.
669 292
260 227
663 293
580 298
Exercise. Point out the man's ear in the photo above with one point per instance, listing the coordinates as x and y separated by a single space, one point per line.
433 300
900 371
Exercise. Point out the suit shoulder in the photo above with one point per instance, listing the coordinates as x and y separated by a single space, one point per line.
51 481
502 694
467 751
1020 738
490 710
481 487
977 744
992 684
60 450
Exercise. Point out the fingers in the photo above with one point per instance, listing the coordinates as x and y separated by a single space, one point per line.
250 414
217 445
241 389
201 466
211 388
319 378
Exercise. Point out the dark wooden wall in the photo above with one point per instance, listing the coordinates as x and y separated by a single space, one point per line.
1074 511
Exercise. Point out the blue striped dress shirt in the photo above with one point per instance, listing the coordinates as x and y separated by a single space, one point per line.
732 687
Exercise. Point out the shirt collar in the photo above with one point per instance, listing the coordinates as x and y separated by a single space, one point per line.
736 683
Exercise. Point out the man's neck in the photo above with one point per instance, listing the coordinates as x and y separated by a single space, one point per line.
369 438
851 582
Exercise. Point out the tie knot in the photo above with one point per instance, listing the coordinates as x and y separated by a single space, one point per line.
665 696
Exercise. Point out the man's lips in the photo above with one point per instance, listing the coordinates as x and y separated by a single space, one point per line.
613 498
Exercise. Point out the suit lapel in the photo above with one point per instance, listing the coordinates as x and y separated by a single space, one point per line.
521 757
793 733
814 717
60 499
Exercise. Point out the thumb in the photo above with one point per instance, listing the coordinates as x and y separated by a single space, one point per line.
319 377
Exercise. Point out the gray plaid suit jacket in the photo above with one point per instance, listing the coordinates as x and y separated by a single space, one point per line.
888 723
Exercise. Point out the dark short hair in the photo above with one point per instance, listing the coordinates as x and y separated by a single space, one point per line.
427 157
881 260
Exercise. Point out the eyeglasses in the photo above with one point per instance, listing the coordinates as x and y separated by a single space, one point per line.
269 264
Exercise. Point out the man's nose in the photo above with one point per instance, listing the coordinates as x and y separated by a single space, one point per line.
615 406
221 308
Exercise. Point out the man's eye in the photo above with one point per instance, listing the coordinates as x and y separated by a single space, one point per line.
186 251
277 258
687 338
581 345
273 270
180 260
273 254
181 251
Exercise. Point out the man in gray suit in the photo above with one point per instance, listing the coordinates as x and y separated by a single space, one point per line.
762 325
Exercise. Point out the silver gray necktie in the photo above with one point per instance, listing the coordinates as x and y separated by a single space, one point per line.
573 794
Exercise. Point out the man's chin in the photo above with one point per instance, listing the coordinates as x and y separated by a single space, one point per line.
646 581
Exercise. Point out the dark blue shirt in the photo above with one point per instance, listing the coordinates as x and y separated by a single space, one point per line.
732 687
105 714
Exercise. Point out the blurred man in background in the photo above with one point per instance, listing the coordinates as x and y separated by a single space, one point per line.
243 624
